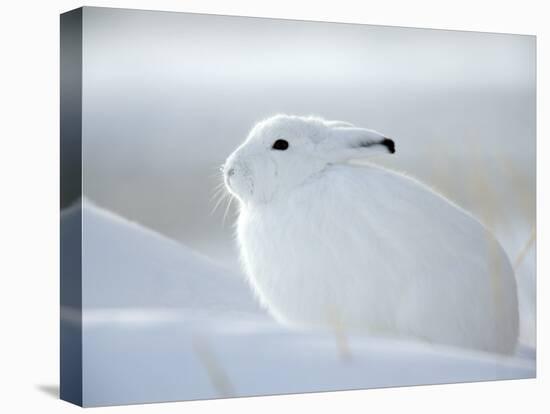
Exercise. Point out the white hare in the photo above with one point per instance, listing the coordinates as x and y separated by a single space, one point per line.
324 242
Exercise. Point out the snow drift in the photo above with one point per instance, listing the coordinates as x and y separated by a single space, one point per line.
163 323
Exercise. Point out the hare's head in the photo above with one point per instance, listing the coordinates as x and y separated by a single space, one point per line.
282 152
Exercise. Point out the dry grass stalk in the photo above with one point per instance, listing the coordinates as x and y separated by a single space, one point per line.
342 342
219 378
523 252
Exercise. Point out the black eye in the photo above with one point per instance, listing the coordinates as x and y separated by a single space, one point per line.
280 144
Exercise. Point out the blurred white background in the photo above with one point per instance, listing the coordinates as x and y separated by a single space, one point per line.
167 96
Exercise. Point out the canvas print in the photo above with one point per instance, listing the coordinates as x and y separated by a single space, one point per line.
260 206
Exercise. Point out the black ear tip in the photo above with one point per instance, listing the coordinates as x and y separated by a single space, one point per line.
389 144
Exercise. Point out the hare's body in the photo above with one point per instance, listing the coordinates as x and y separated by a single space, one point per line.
367 250
333 257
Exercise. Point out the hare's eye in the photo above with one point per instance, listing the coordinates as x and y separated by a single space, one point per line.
280 144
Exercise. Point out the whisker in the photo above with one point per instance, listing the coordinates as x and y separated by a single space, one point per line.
217 187
217 192
218 203
227 210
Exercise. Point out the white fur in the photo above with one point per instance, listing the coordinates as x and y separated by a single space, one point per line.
324 242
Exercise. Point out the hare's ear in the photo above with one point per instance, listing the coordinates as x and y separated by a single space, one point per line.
345 143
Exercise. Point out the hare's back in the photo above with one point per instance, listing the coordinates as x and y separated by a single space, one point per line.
400 229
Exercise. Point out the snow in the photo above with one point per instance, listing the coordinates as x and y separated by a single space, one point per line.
126 265
163 323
